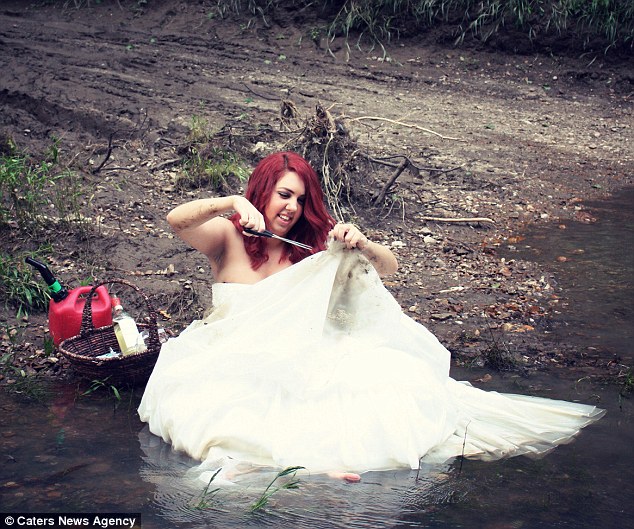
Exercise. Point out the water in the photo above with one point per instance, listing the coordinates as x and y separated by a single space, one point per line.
71 453
594 265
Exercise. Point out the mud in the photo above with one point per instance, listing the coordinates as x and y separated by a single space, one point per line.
512 139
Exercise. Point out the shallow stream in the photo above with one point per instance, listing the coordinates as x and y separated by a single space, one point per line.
91 454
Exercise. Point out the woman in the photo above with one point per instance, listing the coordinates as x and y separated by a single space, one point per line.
284 196
307 360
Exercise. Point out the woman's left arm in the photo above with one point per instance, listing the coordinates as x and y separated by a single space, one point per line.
380 256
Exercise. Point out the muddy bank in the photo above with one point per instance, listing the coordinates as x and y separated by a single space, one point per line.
517 139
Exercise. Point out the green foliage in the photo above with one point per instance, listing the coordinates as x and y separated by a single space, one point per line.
31 386
19 287
611 21
200 130
204 500
36 194
103 384
206 164
211 166
292 483
627 383
608 22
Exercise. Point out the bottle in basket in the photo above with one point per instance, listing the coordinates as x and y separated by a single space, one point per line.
126 331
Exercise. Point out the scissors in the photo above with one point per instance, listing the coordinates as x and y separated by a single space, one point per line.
267 233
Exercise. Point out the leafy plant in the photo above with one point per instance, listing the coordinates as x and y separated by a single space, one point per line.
99 384
293 483
18 286
49 346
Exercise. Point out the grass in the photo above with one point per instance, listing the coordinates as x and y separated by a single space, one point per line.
33 387
626 381
292 483
207 495
205 499
98 384
211 166
20 286
37 194
208 165
606 23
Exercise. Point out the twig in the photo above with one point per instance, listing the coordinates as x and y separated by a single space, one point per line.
381 196
165 164
120 169
436 172
260 95
108 153
464 443
410 125
459 219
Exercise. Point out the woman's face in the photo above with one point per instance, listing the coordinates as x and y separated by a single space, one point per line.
286 204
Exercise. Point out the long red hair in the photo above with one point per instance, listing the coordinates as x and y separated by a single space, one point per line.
313 226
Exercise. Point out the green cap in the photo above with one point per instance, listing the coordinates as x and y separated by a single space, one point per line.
55 287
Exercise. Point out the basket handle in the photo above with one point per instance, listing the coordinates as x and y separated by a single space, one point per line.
87 324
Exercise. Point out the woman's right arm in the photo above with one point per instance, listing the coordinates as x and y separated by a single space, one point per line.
198 222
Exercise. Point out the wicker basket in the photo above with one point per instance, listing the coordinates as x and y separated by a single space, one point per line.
82 350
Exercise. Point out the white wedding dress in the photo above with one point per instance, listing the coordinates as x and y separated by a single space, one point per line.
317 366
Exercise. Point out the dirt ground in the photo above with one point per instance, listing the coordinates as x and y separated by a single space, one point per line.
517 139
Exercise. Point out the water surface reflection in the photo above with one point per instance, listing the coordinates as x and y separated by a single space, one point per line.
96 457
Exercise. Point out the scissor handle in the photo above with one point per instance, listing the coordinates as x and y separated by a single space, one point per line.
265 233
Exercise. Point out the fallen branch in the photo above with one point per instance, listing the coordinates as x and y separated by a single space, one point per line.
437 172
166 163
381 196
410 125
269 98
459 219
106 157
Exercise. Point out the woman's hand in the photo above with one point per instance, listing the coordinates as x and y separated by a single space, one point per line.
250 217
380 256
350 235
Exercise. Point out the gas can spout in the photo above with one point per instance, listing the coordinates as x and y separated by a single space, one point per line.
57 291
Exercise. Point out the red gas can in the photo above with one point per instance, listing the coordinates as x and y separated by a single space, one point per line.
64 317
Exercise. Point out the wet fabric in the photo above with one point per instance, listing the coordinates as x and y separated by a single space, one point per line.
317 366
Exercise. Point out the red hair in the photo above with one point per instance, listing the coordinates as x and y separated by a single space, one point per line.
312 227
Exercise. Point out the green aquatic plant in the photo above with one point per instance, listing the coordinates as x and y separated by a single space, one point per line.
292 483
97 384
205 497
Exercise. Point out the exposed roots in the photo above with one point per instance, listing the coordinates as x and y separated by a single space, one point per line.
327 145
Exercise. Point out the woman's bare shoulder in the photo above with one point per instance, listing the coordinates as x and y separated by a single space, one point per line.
212 237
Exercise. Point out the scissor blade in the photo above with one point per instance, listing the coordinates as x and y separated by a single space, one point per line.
294 243
267 233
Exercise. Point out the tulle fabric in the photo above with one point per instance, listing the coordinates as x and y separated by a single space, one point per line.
317 366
